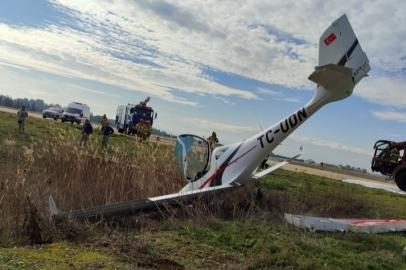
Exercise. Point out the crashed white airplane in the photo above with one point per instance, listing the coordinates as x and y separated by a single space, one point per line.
342 64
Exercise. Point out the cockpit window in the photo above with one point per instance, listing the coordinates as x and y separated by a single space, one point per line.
192 155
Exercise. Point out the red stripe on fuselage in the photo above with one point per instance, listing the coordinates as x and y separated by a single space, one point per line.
222 169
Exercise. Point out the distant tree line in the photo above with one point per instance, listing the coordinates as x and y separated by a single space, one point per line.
162 133
33 105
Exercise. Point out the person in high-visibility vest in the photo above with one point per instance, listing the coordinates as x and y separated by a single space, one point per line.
148 130
140 129
213 141
393 158
103 121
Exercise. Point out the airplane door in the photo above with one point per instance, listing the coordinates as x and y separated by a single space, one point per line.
192 154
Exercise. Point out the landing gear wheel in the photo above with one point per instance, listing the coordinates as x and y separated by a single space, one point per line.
56 118
71 122
127 131
400 179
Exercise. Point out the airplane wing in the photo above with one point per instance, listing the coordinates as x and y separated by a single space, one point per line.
275 167
131 207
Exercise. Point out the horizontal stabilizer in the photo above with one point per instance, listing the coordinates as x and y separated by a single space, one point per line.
275 167
329 74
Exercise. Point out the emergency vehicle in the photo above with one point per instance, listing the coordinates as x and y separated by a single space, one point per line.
76 113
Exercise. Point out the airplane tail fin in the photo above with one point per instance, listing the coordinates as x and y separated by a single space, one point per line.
342 62
338 45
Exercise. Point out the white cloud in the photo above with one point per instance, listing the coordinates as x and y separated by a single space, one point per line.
394 135
223 100
53 91
5 64
156 46
93 91
390 115
383 90
279 95
204 124
332 145
269 92
291 99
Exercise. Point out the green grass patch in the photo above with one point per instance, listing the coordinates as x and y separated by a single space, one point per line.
59 256
237 235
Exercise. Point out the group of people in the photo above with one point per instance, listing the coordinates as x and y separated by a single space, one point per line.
105 129
144 129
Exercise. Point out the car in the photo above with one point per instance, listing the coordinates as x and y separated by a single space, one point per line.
54 112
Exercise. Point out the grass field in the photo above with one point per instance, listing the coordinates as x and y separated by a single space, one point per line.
226 232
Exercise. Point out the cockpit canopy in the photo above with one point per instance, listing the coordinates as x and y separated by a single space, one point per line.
193 155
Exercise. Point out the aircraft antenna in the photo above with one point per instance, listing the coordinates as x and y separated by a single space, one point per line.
258 121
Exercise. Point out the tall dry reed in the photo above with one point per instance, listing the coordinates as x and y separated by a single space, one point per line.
77 178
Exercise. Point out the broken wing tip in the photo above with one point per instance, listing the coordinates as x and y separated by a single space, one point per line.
52 206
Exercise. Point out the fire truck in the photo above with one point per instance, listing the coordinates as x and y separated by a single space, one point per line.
128 116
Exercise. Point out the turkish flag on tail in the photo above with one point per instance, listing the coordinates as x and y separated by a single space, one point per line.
330 39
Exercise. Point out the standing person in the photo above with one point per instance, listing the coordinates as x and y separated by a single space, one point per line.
148 129
22 114
106 130
213 140
104 120
86 131
394 158
264 164
140 128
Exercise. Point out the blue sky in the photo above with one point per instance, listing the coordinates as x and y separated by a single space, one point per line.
212 65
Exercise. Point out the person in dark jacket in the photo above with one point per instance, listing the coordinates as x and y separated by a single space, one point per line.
86 131
106 130
264 164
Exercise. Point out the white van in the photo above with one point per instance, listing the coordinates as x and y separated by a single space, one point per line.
76 112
